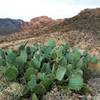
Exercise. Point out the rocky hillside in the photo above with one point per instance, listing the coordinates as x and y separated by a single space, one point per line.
8 26
87 20
38 22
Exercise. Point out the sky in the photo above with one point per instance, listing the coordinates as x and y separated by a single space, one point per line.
27 9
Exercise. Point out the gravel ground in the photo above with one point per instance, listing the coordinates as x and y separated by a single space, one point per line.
56 94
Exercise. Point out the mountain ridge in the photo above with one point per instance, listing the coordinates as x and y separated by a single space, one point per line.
87 20
8 25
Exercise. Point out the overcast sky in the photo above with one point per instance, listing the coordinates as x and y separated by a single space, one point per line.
27 9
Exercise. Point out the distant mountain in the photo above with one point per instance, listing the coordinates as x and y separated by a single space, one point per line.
87 20
8 26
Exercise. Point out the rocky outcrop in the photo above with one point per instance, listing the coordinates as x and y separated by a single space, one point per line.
8 26
38 22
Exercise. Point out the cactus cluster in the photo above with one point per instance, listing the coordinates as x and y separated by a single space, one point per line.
41 65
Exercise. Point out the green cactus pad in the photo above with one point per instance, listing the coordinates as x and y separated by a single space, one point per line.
39 89
60 73
30 71
11 73
75 82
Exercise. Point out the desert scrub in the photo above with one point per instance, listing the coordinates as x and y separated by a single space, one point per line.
40 66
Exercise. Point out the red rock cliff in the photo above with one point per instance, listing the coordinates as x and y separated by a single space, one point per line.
38 22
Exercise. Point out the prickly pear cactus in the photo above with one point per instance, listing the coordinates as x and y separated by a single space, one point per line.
11 73
22 58
69 69
60 73
46 68
11 58
75 82
39 89
36 63
80 64
2 62
73 56
2 53
41 66
51 43
48 81
32 83
34 96
2 58
30 71
94 59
